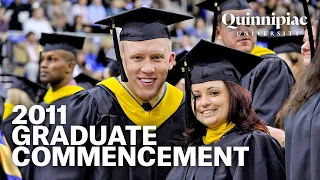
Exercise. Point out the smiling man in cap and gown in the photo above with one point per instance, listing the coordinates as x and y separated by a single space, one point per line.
139 96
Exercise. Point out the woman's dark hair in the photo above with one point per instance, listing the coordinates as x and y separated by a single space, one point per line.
307 86
318 30
29 34
241 113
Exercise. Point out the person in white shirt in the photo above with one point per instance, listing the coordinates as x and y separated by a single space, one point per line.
37 23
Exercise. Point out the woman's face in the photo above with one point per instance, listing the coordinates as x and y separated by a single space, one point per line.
305 48
212 103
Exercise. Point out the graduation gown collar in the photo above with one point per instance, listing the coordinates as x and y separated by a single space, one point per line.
168 105
65 91
154 101
216 134
8 109
260 51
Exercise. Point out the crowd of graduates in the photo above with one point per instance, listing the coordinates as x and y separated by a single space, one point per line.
229 92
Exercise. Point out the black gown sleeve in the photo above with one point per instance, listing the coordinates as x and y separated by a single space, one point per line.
302 141
315 144
269 84
82 111
7 128
264 161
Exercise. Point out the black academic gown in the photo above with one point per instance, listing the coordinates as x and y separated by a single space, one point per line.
30 172
7 128
302 141
99 106
264 161
269 84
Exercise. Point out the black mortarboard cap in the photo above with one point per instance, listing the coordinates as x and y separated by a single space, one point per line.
35 91
222 63
100 29
282 44
144 23
218 6
176 73
86 81
139 25
287 48
285 44
61 41
263 39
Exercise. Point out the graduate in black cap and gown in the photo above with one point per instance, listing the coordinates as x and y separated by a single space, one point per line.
57 62
140 96
271 81
300 118
222 116
56 67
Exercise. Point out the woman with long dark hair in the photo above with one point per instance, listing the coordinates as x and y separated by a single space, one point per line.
300 117
221 115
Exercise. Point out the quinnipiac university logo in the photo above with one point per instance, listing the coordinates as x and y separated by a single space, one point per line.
233 22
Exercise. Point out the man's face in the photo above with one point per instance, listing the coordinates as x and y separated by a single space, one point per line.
31 38
146 64
38 13
235 38
55 67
